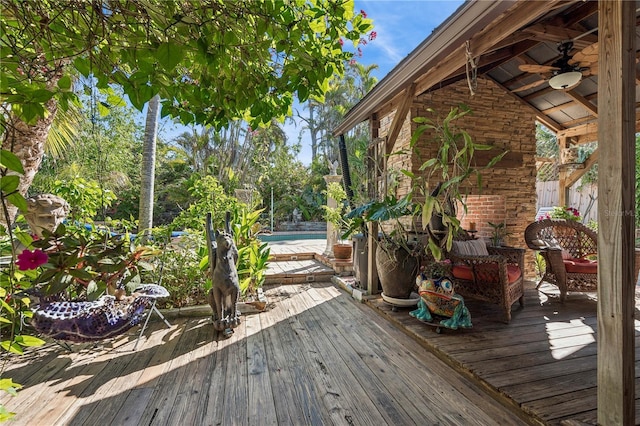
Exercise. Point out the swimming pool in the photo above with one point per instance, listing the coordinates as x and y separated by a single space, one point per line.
291 236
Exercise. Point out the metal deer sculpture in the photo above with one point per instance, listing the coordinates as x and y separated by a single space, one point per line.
225 290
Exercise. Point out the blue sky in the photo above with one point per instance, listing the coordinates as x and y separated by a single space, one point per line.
400 26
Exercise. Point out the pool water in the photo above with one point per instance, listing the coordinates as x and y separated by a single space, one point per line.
291 236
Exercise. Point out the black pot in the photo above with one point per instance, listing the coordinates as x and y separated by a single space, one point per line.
397 270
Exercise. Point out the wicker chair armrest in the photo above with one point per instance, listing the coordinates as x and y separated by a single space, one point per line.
554 257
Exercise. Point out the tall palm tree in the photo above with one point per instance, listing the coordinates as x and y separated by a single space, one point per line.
145 221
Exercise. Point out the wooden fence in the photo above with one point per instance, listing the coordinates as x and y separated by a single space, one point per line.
585 200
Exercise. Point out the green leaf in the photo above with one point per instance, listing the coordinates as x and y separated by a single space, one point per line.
18 200
82 65
8 385
169 55
408 173
7 345
30 112
103 109
11 161
82 274
64 83
10 183
427 210
29 341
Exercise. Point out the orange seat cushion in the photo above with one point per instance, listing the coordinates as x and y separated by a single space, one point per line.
580 266
486 272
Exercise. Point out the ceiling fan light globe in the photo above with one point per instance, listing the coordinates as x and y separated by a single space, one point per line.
566 80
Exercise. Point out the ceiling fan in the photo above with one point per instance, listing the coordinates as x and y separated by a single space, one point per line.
567 72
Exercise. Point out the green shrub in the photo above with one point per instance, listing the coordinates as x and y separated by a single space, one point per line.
181 273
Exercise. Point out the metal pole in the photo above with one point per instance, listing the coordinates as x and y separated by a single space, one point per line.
271 209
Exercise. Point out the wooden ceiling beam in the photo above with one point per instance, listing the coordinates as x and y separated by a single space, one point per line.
489 61
560 107
547 121
539 93
583 102
593 137
558 34
576 13
482 42
400 117
588 132
584 129
586 166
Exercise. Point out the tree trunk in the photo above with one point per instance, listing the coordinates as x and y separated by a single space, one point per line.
313 132
148 166
27 143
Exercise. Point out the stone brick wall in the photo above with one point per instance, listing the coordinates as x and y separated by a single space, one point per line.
499 120
483 209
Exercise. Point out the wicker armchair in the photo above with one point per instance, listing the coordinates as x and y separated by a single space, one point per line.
565 246
496 278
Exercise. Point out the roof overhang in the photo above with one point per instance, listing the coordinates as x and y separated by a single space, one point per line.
470 18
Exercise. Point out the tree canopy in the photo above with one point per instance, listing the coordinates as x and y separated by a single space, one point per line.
211 61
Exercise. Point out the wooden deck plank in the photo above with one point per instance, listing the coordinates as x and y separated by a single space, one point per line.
168 383
191 376
393 393
323 353
235 403
282 351
87 361
215 389
262 409
318 357
106 402
444 394
319 390
130 412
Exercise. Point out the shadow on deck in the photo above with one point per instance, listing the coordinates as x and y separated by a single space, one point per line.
543 362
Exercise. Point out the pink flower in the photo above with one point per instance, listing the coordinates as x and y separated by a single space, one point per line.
31 259
373 35
341 42
363 13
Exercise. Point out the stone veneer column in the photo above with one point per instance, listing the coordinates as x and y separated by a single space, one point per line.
332 233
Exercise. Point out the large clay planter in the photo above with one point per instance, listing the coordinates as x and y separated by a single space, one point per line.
342 251
397 270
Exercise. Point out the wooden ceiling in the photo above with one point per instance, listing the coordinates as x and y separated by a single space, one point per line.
571 114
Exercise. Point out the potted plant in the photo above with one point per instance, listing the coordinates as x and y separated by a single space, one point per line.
336 215
440 182
437 188
498 233
398 251
567 213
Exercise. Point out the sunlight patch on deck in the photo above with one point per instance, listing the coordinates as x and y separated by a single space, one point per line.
569 337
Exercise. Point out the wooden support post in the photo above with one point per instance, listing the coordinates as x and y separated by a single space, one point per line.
374 189
616 207
372 270
563 189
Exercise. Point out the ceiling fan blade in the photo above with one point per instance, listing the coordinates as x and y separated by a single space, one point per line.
586 57
538 69
530 86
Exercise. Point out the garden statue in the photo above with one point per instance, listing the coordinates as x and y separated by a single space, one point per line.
439 304
45 211
225 290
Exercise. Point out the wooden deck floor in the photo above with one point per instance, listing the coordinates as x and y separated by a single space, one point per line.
315 357
544 361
